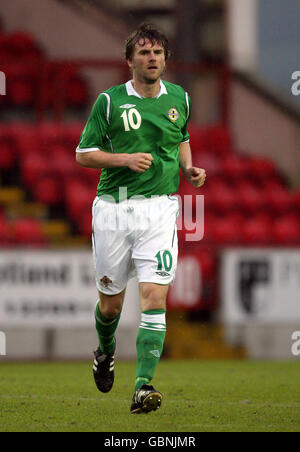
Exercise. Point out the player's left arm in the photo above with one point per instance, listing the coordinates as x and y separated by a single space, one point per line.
196 176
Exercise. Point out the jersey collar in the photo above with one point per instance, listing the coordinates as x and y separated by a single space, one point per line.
132 92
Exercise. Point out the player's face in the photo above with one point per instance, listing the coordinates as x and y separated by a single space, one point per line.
148 61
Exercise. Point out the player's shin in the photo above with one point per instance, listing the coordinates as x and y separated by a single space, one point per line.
149 343
106 329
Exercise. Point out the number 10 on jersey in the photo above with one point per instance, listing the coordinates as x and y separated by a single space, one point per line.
164 260
131 119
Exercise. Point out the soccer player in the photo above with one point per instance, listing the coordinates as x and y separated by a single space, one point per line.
137 134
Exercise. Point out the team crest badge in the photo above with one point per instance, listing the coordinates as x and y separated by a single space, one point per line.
173 114
105 281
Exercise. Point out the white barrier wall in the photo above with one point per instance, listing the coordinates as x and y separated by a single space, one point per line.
261 299
50 296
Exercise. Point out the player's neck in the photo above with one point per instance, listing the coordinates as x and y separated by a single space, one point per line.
146 89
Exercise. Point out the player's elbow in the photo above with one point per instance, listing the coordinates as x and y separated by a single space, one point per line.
89 159
81 159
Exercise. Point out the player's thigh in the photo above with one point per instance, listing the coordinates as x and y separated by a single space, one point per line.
111 250
156 252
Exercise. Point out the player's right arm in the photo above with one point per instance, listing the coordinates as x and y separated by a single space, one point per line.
138 161
89 153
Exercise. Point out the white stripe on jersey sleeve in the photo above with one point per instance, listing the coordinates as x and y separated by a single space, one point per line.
187 104
108 106
83 150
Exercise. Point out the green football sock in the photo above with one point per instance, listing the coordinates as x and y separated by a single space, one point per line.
106 329
149 344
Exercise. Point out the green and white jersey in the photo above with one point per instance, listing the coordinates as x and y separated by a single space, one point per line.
122 121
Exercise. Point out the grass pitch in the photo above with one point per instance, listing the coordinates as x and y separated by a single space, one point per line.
199 396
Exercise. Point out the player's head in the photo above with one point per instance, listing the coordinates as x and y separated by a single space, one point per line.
146 52
141 34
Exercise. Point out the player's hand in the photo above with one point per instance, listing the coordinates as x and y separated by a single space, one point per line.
195 176
139 161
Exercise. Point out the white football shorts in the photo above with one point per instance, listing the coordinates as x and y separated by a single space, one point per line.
134 237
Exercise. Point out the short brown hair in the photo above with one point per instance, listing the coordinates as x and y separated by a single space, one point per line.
146 31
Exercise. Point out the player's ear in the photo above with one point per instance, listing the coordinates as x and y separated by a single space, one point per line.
129 62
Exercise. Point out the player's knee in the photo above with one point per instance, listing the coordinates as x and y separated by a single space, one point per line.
110 312
153 298
110 309
111 305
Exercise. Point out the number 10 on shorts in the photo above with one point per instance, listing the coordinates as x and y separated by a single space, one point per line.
164 260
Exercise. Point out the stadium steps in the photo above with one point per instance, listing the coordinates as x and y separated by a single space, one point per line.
11 195
56 232
14 203
27 209
198 340
74 241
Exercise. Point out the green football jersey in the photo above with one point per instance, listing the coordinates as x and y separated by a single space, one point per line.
122 121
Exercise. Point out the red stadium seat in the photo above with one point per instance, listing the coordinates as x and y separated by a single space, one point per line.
251 198
257 230
197 138
215 139
272 183
227 231
7 155
21 44
78 198
28 231
279 200
84 224
234 168
5 232
22 81
76 93
5 132
72 133
59 150
50 134
286 231
262 167
5 54
88 175
207 259
64 166
48 191
220 197
24 138
296 202
3 99
219 139
34 166
184 186
21 93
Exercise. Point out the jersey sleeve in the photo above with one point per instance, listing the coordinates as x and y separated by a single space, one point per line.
185 133
95 130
